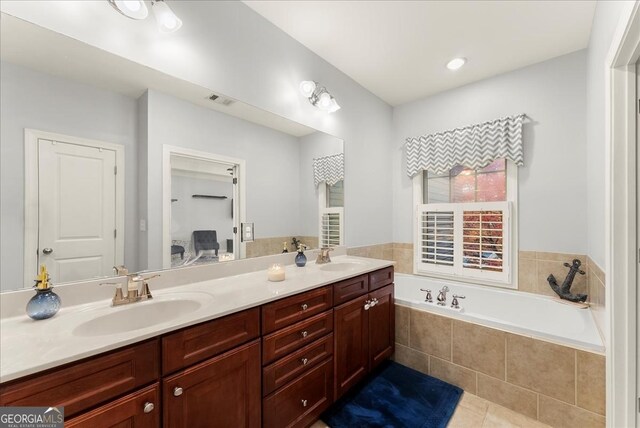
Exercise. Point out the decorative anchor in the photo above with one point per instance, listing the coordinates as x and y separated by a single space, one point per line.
564 290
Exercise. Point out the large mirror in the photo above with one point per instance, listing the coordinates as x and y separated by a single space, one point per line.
106 162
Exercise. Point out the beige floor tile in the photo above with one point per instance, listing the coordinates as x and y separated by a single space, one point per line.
498 416
466 418
473 402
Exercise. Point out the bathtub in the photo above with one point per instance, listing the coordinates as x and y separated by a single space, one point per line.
540 317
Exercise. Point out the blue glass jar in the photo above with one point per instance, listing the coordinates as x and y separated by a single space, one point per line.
44 304
301 259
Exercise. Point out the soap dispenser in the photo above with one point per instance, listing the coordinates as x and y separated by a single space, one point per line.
45 303
301 259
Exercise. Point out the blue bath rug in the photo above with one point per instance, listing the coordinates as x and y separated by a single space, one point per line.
396 397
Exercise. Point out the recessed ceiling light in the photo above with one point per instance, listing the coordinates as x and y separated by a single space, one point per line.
134 9
456 63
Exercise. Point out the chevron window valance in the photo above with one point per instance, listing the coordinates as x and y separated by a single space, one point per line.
474 146
329 169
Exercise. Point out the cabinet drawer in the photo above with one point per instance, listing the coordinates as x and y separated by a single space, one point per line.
84 384
286 369
351 288
302 401
283 342
223 391
287 311
138 410
380 278
197 343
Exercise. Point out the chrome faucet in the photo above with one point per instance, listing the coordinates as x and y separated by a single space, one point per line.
428 297
442 296
323 256
454 302
137 290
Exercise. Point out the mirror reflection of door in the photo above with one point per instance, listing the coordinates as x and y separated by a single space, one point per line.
77 189
203 218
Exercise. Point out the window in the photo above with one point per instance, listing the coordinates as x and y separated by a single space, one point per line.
464 225
331 201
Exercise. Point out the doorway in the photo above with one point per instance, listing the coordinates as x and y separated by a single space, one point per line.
203 207
74 206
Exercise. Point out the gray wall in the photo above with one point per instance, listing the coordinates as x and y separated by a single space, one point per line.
272 165
46 103
552 189
244 56
605 22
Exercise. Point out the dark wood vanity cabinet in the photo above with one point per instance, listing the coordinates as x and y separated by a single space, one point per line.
221 392
279 365
364 336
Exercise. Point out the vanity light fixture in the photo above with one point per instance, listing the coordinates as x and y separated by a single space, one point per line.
319 96
134 9
167 21
456 63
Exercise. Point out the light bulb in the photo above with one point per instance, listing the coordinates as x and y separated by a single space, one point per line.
134 9
167 21
325 101
307 87
456 63
334 106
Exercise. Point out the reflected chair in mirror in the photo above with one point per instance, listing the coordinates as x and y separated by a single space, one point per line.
205 241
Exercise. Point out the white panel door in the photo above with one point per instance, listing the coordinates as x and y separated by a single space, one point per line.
76 210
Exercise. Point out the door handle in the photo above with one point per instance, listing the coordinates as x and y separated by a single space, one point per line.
47 251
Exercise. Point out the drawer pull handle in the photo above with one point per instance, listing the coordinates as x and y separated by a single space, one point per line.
304 333
177 391
148 407
304 361
305 306
304 403
367 305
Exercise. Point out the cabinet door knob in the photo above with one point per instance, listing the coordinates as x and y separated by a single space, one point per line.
304 361
304 306
304 333
177 391
367 305
148 407
304 403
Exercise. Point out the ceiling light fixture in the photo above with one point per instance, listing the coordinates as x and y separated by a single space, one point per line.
319 96
167 21
456 63
134 9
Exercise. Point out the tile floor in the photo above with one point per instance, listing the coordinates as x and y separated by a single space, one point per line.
476 412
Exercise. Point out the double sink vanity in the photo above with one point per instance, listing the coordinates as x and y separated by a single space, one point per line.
233 351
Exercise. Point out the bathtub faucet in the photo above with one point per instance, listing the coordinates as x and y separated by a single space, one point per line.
442 296
564 290
428 297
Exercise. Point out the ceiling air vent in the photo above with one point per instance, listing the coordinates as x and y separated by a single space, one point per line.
218 99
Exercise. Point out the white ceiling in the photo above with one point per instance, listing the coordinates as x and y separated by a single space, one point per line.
398 49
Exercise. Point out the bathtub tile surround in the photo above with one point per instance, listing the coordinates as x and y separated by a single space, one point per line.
535 266
543 367
557 385
479 348
596 288
401 253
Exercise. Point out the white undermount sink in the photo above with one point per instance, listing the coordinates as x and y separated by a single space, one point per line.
341 266
136 316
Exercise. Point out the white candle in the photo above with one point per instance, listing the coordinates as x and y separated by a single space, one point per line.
275 273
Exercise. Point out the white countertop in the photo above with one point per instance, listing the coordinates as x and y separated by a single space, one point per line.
28 346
